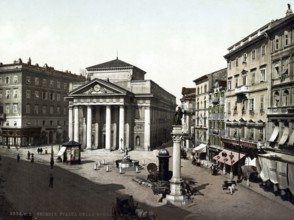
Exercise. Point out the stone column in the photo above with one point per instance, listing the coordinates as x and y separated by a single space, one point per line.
89 127
108 128
147 129
175 197
96 135
188 131
76 123
121 126
70 123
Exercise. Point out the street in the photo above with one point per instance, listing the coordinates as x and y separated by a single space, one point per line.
80 192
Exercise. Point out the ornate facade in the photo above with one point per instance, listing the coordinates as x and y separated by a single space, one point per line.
116 108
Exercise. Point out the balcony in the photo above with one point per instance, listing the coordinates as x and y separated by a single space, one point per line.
281 110
241 90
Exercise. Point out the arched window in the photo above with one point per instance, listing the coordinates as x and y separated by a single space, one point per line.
276 98
286 98
137 141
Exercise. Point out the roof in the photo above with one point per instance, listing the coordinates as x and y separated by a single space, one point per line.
186 91
113 64
71 143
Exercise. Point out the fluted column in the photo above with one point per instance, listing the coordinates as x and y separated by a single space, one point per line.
89 127
76 123
70 123
108 128
147 129
121 126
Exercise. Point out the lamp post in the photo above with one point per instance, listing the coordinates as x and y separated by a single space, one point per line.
231 157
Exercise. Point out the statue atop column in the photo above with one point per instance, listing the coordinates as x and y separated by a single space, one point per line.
178 116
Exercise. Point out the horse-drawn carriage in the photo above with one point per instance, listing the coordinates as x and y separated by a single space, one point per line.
126 209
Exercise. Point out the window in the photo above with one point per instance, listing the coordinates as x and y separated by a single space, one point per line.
58 110
1 81
205 89
204 123
244 79
44 110
37 81
51 83
52 96
253 54
15 107
15 93
198 91
262 75
36 109
204 104
244 105
44 82
7 93
253 78
263 50
236 81
65 86
44 95
51 110
7 108
276 98
277 44
37 95
15 79
28 94
7 80
64 110
201 90
1 93
58 84
229 84
286 40
261 134
286 98
28 109
58 97
251 104
237 64
262 103
230 64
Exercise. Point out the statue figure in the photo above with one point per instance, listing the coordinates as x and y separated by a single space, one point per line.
178 116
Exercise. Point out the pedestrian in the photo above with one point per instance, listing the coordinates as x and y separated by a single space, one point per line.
18 157
51 180
51 162
29 155
32 159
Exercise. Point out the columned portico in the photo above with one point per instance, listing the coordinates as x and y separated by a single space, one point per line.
76 123
147 129
121 126
108 128
89 127
70 123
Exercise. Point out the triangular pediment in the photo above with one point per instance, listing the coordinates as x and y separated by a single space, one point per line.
98 87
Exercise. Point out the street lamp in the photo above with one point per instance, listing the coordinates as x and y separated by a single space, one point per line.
231 157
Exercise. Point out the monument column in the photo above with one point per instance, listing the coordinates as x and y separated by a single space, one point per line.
147 129
121 126
76 123
70 123
175 196
89 127
108 128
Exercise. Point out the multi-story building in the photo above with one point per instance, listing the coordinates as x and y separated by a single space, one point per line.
259 101
216 117
117 108
32 105
188 108
203 85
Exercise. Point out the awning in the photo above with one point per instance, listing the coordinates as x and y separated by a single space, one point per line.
291 139
61 152
228 157
200 149
284 136
274 134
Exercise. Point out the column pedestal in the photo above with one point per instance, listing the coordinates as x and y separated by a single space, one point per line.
175 197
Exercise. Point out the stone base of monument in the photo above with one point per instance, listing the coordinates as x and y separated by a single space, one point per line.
175 197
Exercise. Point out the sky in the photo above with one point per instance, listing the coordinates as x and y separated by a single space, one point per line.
174 41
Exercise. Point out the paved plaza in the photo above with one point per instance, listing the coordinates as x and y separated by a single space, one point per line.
80 192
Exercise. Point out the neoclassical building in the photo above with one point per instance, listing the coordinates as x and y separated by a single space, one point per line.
117 108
